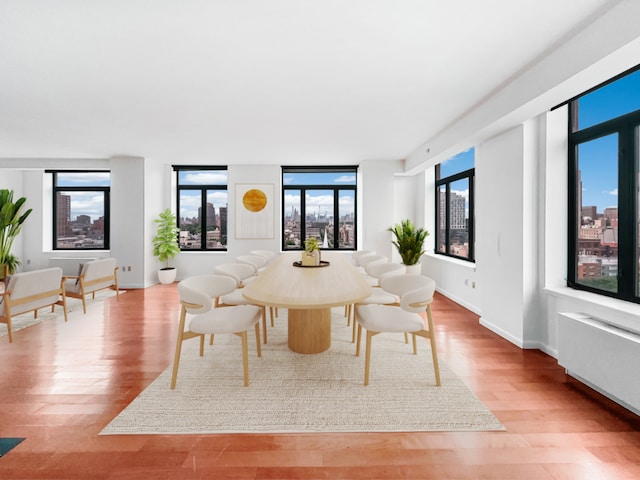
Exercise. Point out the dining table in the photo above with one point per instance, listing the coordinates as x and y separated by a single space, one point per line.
308 293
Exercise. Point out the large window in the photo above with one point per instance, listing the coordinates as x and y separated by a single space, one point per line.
319 202
604 195
202 207
80 210
454 206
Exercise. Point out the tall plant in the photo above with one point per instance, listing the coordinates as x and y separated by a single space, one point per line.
11 219
409 241
165 243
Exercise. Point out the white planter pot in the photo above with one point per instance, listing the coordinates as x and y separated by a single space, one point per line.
167 275
414 269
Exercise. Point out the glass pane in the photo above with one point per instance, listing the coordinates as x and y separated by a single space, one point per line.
319 178
442 219
597 188
459 218
611 101
83 179
216 219
189 219
346 210
458 163
292 219
637 163
80 219
202 177
319 212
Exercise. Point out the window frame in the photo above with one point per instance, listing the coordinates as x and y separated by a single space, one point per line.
203 189
626 127
106 191
469 175
336 204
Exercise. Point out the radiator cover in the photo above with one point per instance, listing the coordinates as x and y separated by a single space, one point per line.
601 355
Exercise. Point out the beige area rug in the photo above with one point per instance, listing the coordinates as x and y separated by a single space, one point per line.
25 320
291 392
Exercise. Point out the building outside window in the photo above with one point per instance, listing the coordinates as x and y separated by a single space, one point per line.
454 206
604 239
202 207
319 202
80 209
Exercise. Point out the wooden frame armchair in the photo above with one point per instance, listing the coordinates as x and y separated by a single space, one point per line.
30 291
94 275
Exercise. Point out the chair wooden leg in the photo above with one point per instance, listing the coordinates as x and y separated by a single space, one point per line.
358 342
271 315
367 357
353 327
245 357
9 328
176 358
406 337
202 345
258 346
432 339
415 347
264 323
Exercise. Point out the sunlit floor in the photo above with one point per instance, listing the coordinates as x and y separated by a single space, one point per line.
60 384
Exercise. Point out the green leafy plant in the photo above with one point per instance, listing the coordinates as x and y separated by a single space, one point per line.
311 244
165 243
11 219
409 241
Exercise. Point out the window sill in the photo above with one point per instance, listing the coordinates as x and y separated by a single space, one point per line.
451 260
609 310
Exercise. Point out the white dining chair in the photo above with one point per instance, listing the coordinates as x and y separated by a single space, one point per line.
257 261
240 272
196 294
415 294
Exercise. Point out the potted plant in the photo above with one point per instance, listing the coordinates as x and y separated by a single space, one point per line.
409 241
165 245
11 219
311 254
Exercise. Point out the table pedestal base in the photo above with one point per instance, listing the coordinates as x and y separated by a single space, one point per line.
309 330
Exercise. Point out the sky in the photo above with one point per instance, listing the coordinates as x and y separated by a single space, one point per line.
598 159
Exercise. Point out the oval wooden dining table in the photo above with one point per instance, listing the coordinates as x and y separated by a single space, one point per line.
308 293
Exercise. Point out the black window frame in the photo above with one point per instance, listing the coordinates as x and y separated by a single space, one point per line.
469 175
203 188
106 191
626 127
336 192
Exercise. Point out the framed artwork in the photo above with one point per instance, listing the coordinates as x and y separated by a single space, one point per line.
254 210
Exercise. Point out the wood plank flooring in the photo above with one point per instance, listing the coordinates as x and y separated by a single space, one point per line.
60 384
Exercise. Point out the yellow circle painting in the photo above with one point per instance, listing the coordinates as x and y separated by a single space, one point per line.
254 200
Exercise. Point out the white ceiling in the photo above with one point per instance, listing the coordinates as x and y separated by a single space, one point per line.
259 81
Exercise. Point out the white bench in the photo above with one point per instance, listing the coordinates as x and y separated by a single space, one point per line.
30 291
95 275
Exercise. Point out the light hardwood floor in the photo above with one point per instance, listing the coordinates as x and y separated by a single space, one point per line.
60 384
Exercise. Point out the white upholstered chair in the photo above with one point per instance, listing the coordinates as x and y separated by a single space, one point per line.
196 294
94 275
240 272
30 291
416 295
257 261
268 254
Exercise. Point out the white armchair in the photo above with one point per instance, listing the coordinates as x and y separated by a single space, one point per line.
94 275
30 291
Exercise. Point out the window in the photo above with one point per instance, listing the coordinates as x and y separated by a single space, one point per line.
80 210
604 195
202 207
319 202
454 206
